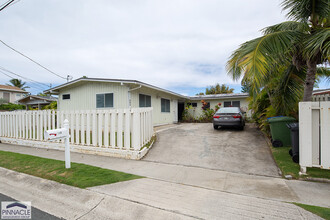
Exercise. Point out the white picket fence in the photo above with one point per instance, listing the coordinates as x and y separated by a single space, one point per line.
314 135
128 129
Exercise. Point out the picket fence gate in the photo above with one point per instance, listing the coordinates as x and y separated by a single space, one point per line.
128 129
314 135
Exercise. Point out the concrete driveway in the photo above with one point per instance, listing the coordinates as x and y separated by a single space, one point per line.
199 145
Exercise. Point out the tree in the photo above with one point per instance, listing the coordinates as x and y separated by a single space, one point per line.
18 83
300 44
201 93
246 87
218 89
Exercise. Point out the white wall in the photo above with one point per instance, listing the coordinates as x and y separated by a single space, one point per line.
158 116
83 97
197 111
13 97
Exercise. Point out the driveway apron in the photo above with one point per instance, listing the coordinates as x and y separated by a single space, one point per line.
228 149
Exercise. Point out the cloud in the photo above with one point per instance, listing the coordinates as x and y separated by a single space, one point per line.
166 43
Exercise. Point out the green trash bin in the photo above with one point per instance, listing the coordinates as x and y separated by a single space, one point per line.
281 135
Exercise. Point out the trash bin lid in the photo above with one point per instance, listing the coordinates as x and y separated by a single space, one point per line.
293 126
281 119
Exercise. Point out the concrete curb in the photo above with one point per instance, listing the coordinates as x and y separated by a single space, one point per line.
119 153
69 202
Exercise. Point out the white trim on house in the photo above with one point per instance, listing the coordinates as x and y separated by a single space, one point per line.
220 96
122 81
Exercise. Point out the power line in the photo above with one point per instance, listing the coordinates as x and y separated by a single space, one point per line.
6 4
33 60
11 72
36 86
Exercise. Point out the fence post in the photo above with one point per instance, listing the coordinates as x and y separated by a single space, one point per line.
136 129
325 137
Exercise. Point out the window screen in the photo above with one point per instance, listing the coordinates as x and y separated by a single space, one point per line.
227 104
165 105
193 104
144 100
236 104
65 96
104 100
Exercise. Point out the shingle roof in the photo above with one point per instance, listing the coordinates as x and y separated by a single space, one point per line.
11 88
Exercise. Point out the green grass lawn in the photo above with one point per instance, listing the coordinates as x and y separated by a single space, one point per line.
79 175
287 166
320 211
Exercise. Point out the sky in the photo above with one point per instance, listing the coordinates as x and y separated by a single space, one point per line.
180 45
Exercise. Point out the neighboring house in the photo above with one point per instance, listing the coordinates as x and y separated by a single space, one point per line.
96 93
10 94
36 101
226 100
321 95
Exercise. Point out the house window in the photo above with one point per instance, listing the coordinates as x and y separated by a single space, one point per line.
329 98
192 104
236 103
6 96
104 100
206 105
144 100
232 104
65 96
165 105
227 104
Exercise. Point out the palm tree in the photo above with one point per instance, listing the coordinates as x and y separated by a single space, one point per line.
304 41
18 83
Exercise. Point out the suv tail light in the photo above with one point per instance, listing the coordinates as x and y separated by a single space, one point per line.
237 116
216 116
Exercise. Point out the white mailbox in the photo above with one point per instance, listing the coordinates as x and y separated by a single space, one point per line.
61 133
56 134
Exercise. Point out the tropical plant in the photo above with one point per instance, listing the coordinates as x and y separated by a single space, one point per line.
218 89
18 83
304 42
52 105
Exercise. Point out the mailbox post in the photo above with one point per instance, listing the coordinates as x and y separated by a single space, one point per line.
61 133
67 145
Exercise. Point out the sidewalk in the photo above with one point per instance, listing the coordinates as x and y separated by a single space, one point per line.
181 185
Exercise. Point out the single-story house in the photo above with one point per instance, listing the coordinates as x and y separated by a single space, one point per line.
96 93
225 100
36 101
10 94
321 95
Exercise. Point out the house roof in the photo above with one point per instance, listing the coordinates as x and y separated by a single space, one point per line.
321 91
11 88
56 89
136 82
37 97
220 96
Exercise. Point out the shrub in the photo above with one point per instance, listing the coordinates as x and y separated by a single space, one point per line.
11 107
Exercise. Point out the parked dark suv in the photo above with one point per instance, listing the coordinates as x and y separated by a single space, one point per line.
229 116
